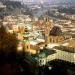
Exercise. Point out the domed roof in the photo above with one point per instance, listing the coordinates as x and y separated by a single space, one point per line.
56 31
40 55
26 34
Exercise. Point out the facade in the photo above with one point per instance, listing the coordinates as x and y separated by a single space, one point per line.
58 39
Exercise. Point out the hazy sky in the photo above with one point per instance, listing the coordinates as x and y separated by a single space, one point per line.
54 1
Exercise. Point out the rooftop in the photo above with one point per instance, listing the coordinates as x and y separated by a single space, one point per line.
44 53
51 45
66 49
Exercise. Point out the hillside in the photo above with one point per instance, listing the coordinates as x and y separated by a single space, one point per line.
14 8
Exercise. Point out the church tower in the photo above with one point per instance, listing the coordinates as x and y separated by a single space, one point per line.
26 40
48 24
26 45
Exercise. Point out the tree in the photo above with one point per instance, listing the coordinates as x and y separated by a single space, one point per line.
8 42
2 29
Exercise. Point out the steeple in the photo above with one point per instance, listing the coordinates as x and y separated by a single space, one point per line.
26 40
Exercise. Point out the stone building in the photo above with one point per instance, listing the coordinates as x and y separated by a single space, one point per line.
56 36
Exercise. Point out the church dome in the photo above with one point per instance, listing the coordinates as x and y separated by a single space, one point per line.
56 31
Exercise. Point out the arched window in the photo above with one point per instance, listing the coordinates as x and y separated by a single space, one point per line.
27 47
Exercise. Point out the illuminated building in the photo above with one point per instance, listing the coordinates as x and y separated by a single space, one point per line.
56 35
21 28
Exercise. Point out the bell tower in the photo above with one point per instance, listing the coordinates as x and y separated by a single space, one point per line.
26 46
26 40
48 24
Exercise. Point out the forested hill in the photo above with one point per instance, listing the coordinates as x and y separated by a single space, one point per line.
14 8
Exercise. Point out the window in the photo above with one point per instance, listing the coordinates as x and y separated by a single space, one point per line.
27 47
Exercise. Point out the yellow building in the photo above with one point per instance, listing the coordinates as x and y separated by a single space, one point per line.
28 48
55 35
26 45
21 29
57 39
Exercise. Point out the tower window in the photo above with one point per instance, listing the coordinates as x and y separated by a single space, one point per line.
27 47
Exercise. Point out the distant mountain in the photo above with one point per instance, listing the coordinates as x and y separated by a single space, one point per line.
42 1
49 1
14 8
62 1
59 1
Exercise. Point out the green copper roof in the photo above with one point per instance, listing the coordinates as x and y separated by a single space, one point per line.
40 56
26 41
26 34
44 54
